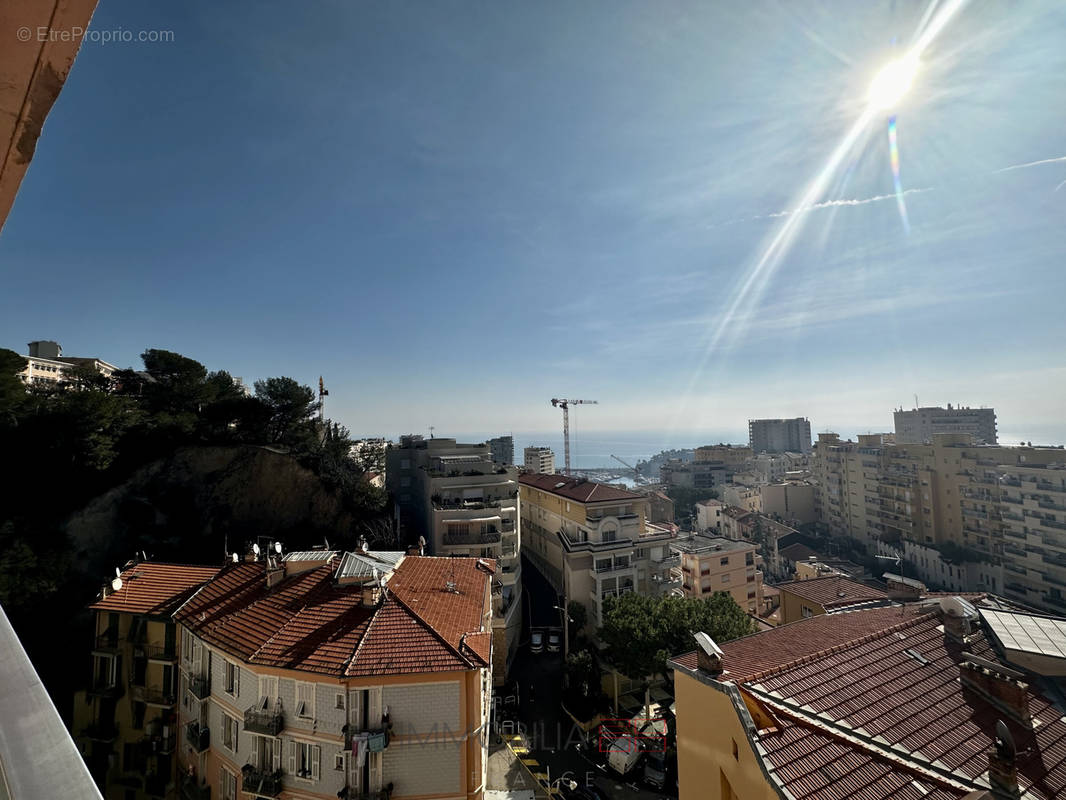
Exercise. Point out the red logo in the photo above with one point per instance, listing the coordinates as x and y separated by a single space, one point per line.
628 735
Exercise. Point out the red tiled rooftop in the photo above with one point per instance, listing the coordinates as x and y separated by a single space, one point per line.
579 489
156 588
309 622
833 591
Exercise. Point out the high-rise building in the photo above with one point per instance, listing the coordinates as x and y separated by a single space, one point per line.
540 460
460 503
918 425
502 448
780 435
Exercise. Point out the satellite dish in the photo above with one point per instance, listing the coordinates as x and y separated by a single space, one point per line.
255 549
116 584
277 548
236 558
421 541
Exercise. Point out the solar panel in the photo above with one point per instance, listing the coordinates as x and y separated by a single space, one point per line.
1027 633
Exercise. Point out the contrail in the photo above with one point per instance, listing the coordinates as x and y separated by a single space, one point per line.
859 201
1033 163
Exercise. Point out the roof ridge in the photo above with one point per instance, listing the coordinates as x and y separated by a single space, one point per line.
805 659
426 624
284 626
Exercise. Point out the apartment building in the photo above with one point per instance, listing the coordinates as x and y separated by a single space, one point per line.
792 501
830 594
709 515
460 503
694 474
539 459
712 564
592 541
779 435
919 425
736 457
125 722
878 704
329 675
502 450
736 495
47 366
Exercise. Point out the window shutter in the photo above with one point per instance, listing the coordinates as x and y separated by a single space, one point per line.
374 717
222 783
292 758
236 681
277 754
315 765
375 772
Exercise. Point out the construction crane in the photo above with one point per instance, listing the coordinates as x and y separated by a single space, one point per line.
565 406
636 472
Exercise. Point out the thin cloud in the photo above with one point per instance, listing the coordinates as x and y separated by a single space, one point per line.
853 202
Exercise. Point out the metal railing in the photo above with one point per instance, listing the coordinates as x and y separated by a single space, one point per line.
198 737
160 652
269 723
262 782
200 686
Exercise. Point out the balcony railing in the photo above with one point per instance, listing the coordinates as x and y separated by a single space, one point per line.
471 538
198 736
160 652
107 641
265 783
200 686
269 723
153 696
106 687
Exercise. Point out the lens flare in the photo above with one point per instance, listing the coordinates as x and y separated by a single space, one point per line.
893 155
893 82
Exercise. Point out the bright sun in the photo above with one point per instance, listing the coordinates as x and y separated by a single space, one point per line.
892 82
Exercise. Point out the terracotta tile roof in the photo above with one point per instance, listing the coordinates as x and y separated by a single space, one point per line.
833 591
579 489
154 587
797 552
310 622
784 644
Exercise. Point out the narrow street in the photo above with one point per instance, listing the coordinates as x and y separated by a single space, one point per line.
557 746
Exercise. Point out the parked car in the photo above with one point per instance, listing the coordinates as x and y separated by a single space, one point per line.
624 754
536 642
655 770
555 642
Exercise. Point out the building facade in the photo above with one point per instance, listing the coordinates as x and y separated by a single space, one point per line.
791 501
919 425
779 435
694 474
328 675
460 503
540 460
592 541
502 450
46 365
712 564
125 722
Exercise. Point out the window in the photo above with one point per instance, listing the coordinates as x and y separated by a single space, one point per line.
233 679
725 578
304 760
725 561
305 700
806 611
340 702
230 733
338 762
227 785
268 690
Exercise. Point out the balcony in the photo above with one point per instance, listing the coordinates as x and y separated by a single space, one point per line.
268 723
191 790
452 539
264 783
107 642
200 686
615 567
153 696
167 654
198 737
101 732
106 687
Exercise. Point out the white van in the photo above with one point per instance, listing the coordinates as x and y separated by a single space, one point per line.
624 754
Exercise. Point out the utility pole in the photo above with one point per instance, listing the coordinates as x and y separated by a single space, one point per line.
565 406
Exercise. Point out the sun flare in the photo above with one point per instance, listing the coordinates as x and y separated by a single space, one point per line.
892 82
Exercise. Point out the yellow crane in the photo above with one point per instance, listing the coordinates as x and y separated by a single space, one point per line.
565 406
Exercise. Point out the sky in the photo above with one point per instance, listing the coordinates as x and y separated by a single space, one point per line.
454 212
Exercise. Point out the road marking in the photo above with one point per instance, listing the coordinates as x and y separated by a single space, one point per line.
530 762
541 776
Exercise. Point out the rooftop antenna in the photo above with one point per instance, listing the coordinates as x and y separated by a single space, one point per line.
326 542
431 429
236 558
322 392
899 563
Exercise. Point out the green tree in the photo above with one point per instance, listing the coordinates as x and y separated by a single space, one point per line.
290 410
685 499
12 389
579 617
641 632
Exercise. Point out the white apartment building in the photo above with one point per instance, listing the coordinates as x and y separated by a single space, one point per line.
460 503
592 541
46 365
540 460
502 449
918 425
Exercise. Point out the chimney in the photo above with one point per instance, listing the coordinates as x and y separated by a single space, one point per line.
1002 771
709 657
999 685
957 614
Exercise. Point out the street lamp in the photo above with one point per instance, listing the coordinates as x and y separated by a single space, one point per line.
567 619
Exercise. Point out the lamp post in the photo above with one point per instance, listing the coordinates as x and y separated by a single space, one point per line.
566 629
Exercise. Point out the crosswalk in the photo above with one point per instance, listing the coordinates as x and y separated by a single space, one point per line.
518 746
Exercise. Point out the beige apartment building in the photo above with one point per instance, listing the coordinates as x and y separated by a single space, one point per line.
539 459
736 457
327 675
919 425
1004 505
792 501
712 564
592 541
460 503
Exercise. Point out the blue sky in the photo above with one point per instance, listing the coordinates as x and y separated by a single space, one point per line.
456 211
